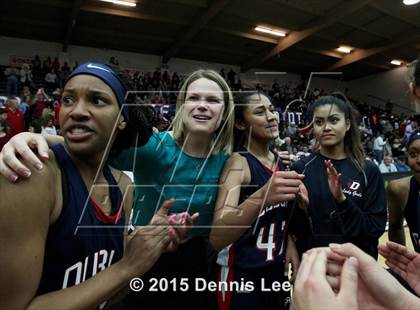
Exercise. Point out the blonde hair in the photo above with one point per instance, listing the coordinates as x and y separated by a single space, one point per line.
224 134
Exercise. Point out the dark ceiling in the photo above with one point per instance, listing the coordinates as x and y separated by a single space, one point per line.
223 30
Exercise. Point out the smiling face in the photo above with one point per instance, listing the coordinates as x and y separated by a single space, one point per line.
330 125
88 114
203 108
260 118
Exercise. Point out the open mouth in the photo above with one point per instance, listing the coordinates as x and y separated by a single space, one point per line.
201 117
78 133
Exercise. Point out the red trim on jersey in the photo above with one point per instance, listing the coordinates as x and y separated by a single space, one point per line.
276 168
107 219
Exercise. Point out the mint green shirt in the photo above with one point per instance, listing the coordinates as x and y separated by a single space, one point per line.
162 171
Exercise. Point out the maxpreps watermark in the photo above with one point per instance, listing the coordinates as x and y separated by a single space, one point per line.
202 285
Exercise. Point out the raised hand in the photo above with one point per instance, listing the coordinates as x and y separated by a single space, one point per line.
404 262
334 182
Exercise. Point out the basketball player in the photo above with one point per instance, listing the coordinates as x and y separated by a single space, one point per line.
249 225
346 193
63 244
403 194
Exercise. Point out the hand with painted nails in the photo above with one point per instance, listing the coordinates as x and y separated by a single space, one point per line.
25 145
147 243
334 182
312 289
181 223
377 288
404 262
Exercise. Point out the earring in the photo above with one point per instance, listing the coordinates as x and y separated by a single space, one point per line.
122 125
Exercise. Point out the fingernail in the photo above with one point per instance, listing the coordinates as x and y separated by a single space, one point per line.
171 232
353 262
171 220
45 155
27 173
335 246
13 178
38 166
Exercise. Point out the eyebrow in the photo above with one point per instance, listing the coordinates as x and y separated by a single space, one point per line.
329 116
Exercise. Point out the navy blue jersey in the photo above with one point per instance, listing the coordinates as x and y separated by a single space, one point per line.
412 213
78 244
360 219
264 243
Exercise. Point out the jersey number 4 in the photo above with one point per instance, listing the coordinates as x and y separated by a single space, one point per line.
266 241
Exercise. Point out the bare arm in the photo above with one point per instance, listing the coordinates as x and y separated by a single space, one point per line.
396 212
24 223
232 221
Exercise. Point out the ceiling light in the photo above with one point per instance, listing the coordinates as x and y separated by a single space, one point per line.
121 2
345 49
410 2
397 62
270 31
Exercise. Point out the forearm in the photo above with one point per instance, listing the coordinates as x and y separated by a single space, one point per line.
357 222
396 234
234 221
409 301
87 295
53 139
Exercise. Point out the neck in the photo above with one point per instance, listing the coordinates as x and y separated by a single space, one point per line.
88 167
334 152
196 144
259 148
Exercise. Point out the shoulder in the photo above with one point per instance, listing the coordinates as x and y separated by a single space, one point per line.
399 187
237 163
371 168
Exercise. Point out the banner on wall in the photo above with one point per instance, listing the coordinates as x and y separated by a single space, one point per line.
18 61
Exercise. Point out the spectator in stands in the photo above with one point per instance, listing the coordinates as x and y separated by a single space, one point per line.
35 126
231 77
56 64
401 165
409 129
113 61
48 126
378 147
26 91
291 130
5 134
24 104
25 75
47 65
12 79
51 79
39 104
387 166
37 67
15 118
288 145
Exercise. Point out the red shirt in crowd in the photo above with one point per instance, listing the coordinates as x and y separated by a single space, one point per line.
4 140
16 121
39 106
57 109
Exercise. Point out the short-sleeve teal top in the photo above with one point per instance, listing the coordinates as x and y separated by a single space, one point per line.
163 171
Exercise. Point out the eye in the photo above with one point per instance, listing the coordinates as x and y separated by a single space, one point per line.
318 122
334 120
98 100
213 100
68 100
193 98
259 112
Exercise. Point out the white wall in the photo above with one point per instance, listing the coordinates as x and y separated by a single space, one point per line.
390 85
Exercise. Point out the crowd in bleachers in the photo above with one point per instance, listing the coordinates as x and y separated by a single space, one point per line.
31 102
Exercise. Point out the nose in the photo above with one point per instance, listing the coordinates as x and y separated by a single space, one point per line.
80 110
271 116
202 105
